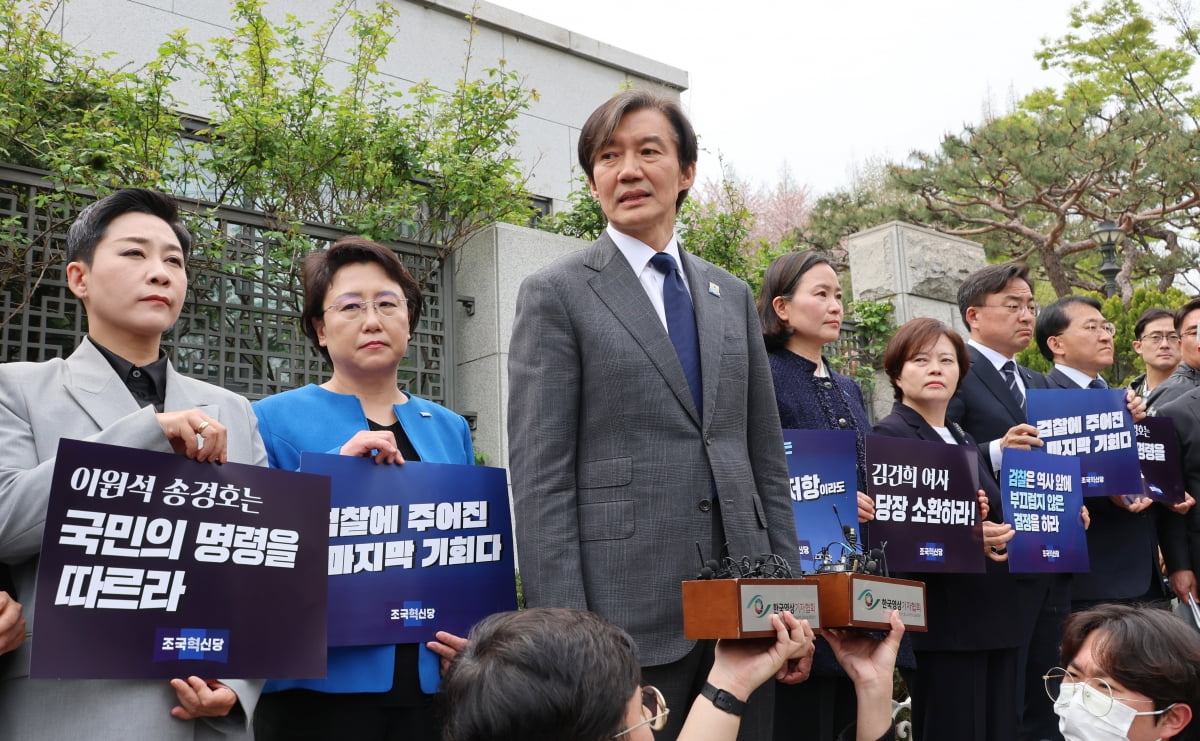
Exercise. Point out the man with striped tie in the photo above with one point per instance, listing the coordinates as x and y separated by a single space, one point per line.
996 303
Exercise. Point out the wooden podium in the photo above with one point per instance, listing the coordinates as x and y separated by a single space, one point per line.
742 608
852 600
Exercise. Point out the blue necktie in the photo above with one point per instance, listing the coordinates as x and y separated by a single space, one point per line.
681 322
1009 369
1097 383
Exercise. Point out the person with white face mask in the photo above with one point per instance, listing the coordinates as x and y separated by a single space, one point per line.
1130 674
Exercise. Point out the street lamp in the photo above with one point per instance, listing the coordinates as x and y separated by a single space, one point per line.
1108 235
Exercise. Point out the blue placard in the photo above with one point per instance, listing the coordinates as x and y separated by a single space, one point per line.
926 505
1042 500
414 548
823 469
1095 426
157 566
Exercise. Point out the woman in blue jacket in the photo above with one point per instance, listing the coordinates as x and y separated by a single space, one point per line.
360 309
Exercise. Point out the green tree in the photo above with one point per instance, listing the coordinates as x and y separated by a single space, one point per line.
872 198
88 127
717 228
583 220
873 325
423 163
1117 142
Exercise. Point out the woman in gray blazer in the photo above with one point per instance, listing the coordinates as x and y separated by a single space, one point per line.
126 261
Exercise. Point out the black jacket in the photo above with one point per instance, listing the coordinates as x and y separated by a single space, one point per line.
967 612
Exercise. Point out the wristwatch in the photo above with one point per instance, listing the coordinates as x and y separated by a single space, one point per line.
722 700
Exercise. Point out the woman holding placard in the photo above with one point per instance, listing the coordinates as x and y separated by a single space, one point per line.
360 309
966 679
800 309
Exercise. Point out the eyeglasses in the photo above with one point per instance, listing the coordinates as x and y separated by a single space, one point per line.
1062 686
350 309
1156 338
1097 328
1015 308
654 710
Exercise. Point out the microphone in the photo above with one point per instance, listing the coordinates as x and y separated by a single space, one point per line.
707 567
873 559
882 549
855 557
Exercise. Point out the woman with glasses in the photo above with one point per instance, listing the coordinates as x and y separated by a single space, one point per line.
552 674
1131 673
800 309
361 308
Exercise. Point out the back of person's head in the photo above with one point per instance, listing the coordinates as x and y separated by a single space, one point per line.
988 281
89 226
543 674
598 130
1053 321
1146 650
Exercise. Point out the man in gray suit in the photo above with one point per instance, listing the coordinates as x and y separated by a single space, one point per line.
126 262
642 419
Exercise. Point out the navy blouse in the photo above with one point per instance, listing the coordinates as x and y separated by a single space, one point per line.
809 402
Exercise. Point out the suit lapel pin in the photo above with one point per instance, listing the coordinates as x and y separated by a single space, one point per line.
714 289
426 414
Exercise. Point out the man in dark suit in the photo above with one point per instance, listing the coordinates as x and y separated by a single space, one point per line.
1126 531
642 419
996 303
1184 411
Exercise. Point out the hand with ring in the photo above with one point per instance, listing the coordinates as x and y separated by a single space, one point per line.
194 434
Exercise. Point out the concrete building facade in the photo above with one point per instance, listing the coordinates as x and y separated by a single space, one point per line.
571 72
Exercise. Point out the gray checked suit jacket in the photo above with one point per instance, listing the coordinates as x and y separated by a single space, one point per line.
613 473
84 399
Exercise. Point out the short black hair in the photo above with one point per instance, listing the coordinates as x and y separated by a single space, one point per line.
1053 321
542 674
89 227
987 281
1182 312
1152 314
598 130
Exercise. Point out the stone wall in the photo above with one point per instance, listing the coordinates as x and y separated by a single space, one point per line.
489 269
918 270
